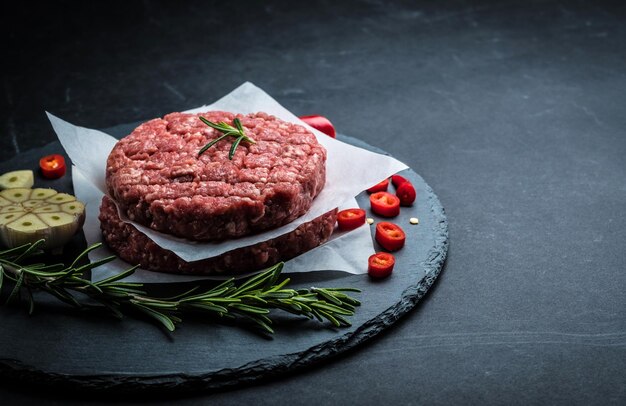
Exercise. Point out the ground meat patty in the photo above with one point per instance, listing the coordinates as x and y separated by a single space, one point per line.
135 248
158 179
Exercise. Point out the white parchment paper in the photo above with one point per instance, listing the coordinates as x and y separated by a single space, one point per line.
349 171
345 251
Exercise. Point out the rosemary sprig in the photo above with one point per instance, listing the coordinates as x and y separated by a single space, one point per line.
227 131
253 299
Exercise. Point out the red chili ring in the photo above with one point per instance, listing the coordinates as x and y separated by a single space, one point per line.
379 187
390 236
385 204
320 123
52 166
350 219
380 265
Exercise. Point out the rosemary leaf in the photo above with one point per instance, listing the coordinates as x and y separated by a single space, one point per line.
117 277
281 285
63 296
125 285
160 317
280 295
210 144
301 306
343 290
263 324
329 316
9 252
179 296
117 294
30 249
317 315
260 322
210 307
259 280
82 281
253 298
36 272
237 123
327 295
203 296
90 266
233 147
84 253
175 318
345 298
224 300
248 308
159 305
31 301
16 288
331 308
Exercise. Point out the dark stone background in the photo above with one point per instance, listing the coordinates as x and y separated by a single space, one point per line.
514 112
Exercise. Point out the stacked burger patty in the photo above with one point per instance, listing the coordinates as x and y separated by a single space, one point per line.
158 179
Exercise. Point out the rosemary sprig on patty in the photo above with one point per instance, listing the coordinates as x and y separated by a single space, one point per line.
252 299
228 131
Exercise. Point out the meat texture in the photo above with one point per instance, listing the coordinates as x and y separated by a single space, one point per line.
158 179
136 248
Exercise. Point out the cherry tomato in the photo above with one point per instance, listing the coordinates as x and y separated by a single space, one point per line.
390 236
320 123
379 187
385 204
397 180
350 219
52 166
406 193
380 265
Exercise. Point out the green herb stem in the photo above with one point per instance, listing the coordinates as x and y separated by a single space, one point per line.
253 299
227 130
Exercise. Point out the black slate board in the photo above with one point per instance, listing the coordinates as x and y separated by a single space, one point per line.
65 349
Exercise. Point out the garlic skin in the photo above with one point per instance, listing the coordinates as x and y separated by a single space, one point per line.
28 215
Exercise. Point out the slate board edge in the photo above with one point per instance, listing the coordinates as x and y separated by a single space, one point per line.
19 373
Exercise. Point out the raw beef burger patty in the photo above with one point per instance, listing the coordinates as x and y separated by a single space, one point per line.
157 178
135 248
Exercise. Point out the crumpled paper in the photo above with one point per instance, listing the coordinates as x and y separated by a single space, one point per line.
350 170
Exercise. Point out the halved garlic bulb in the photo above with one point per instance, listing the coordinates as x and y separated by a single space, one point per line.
28 215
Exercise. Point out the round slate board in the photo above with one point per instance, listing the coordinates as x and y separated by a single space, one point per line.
62 348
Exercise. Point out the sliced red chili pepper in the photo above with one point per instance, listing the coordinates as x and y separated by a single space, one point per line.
406 193
390 236
397 180
380 265
52 166
385 204
350 219
320 123
379 187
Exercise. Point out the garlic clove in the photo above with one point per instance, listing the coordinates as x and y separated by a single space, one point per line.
60 198
74 207
42 194
17 195
17 179
9 217
48 208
